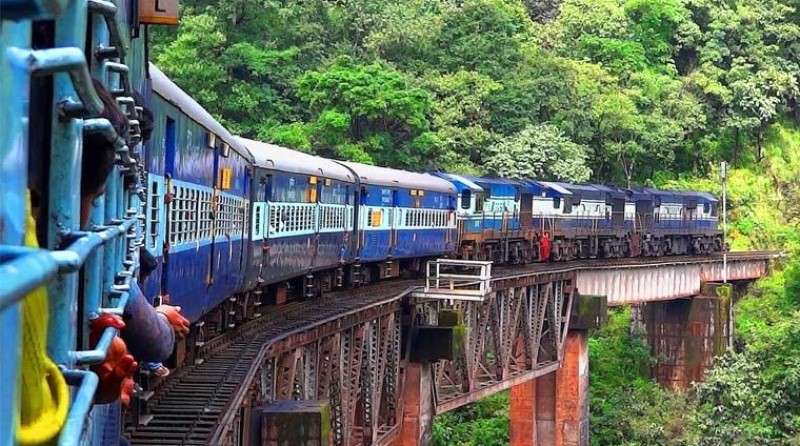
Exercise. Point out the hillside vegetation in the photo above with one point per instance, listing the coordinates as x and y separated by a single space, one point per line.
652 92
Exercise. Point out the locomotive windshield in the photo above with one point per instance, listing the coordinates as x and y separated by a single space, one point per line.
466 199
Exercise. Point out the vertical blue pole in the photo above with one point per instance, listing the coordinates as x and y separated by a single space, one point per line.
13 170
65 191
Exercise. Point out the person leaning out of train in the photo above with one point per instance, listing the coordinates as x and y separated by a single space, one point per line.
149 333
148 264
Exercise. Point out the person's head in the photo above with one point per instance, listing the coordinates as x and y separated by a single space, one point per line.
99 153
147 264
145 117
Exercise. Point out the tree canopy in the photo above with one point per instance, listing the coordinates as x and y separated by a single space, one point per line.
628 90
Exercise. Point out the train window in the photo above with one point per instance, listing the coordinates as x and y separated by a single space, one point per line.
466 199
706 208
478 203
556 202
257 221
268 188
567 207
714 210
155 199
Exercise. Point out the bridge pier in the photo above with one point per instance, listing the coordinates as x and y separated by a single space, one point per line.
418 406
686 334
553 409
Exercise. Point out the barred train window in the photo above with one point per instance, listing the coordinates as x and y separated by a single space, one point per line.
257 219
154 208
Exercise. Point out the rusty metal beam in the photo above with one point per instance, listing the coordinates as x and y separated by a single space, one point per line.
658 282
499 386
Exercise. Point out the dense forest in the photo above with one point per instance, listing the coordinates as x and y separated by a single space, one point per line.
650 92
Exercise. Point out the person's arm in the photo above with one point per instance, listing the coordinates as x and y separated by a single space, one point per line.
147 333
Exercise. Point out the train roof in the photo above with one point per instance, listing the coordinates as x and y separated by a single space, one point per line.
555 187
270 156
164 87
384 176
672 196
585 191
524 186
476 184
460 182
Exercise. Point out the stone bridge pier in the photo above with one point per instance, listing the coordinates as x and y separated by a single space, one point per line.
554 409
685 335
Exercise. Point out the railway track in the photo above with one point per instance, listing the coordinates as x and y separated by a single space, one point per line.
188 406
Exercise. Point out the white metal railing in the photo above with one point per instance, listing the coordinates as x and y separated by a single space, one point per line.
458 280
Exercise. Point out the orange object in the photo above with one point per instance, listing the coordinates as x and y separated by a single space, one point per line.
544 248
116 372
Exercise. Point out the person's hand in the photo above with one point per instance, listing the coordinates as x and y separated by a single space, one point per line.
173 314
116 371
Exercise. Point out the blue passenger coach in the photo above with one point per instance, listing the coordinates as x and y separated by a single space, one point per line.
402 215
198 195
303 216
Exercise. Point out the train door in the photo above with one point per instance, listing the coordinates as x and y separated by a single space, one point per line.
393 220
213 209
526 211
242 215
363 216
644 215
315 185
170 152
618 212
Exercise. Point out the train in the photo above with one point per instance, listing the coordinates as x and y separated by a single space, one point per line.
236 224
234 216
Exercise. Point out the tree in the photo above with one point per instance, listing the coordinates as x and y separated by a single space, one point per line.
461 117
369 113
482 35
538 152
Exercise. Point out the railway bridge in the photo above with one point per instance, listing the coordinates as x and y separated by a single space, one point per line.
374 366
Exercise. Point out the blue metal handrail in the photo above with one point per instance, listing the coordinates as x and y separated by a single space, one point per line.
32 268
59 60
111 249
87 383
31 9
109 12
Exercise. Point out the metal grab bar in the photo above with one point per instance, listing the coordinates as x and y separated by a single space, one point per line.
59 60
24 273
31 268
104 127
31 9
87 383
99 352
72 258
109 12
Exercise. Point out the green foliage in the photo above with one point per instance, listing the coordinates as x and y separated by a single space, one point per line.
368 113
642 87
540 151
483 423
626 407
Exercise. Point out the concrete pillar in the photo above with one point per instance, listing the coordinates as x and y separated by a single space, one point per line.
553 410
523 414
685 335
418 409
572 392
